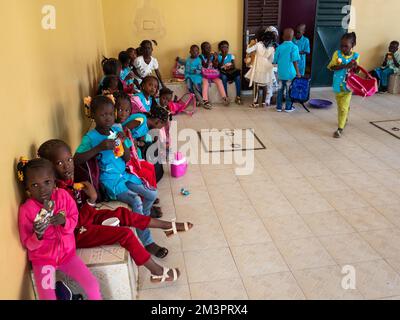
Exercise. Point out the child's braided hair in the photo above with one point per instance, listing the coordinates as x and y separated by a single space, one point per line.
160 113
110 66
351 36
25 165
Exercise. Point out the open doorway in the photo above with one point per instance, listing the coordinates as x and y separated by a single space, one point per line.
295 12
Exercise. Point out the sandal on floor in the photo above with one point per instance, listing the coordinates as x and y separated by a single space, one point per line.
254 105
165 277
207 105
238 101
156 213
161 253
226 101
175 230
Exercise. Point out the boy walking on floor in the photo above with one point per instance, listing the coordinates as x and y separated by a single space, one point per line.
286 57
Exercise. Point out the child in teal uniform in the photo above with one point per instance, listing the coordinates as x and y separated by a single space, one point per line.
193 76
286 57
229 73
342 61
304 47
390 65
117 182
142 101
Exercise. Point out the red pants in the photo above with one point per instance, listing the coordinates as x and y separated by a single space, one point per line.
90 233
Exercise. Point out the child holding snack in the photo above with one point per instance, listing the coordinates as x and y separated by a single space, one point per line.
47 221
90 231
342 61
390 65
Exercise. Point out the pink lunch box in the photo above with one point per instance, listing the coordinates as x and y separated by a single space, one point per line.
179 166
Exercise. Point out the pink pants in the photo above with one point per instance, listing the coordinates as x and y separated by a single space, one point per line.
220 87
45 278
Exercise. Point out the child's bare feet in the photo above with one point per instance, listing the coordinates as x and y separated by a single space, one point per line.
156 212
175 227
157 251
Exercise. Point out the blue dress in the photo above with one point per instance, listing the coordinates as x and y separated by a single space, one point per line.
193 70
113 175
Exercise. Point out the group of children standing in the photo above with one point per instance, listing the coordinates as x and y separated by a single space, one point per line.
61 214
289 57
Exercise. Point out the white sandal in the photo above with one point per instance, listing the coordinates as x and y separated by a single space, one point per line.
165 277
175 230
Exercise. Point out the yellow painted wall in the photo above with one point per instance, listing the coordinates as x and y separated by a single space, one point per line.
44 75
377 23
183 23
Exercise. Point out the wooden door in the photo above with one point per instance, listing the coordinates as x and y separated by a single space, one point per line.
258 14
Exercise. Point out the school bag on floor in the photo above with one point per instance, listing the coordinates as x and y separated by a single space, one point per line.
300 91
362 86
180 106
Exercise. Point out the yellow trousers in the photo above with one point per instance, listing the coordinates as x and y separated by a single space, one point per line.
343 102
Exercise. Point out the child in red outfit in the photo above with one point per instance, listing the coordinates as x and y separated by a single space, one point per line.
90 232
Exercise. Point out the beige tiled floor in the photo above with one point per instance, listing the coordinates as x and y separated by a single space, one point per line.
312 206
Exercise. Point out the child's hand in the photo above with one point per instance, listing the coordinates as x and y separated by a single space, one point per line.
40 227
107 145
177 59
121 136
129 76
58 220
298 75
352 64
90 191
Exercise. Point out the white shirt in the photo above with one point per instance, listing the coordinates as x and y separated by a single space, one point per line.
143 68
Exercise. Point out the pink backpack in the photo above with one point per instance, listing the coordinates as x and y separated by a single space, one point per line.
360 86
181 105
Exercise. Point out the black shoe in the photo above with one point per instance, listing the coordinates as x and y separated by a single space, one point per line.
63 292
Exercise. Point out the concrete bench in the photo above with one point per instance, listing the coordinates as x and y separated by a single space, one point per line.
180 89
113 267
394 84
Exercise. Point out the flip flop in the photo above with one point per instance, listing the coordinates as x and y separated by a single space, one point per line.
165 277
175 230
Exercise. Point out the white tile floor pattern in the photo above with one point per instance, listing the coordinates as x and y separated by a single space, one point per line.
313 205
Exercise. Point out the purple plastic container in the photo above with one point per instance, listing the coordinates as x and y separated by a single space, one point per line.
320 104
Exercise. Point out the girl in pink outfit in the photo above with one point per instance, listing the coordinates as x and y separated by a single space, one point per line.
210 60
46 225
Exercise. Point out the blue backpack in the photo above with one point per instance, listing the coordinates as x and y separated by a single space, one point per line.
300 91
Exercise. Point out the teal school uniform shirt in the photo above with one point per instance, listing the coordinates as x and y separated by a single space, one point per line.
304 45
228 59
113 174
124 74
285 55
193 70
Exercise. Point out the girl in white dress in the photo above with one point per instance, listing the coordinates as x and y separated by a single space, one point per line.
261 73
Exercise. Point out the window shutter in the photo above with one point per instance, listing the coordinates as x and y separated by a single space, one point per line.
262 13
329 13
